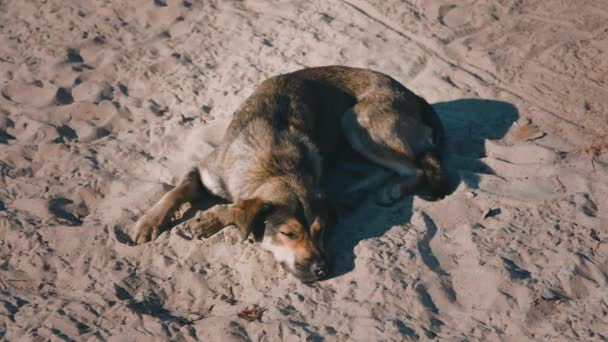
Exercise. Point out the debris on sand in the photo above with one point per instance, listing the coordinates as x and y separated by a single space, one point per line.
252 314
529 132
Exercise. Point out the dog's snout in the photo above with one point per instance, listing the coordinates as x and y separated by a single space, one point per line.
319 269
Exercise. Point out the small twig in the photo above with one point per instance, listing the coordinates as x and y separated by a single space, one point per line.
230 300
564 189
593 163
3 284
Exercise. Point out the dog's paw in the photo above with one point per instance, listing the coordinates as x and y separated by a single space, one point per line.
205 224
393 192
389 195
146 229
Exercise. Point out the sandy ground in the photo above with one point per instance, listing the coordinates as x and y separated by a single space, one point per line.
105 102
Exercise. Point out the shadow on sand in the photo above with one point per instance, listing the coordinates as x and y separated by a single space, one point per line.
467 122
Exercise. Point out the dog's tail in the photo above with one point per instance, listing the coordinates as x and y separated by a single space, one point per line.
432 161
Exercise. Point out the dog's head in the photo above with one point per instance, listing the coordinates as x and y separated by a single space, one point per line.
295 242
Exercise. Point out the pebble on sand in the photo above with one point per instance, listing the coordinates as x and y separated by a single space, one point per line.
63 97
74 56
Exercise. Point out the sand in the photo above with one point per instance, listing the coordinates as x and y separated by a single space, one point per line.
105 104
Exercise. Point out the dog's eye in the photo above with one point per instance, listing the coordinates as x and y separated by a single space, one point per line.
290 235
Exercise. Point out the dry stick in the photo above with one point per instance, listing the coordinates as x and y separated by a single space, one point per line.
564 189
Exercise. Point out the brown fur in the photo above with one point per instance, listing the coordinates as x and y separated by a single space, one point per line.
271 158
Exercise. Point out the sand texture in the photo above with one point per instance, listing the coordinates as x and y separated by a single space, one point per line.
104 104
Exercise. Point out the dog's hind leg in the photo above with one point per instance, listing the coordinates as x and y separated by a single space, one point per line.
373 129
156 219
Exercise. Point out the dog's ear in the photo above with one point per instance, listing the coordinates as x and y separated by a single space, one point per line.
325 216
249 217
317 230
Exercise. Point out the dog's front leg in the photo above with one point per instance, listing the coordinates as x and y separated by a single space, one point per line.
212 220
156 220
247 215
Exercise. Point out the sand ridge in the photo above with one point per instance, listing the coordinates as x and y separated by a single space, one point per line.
105 104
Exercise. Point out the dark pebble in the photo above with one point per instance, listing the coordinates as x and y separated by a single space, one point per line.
516 272
63 97
38 83
160 3
99 40
102 132
330 330
5 137
67 132
187 4
82 67
123 89
587 106
492 212
74 56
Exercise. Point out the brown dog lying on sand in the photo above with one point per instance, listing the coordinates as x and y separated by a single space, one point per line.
270 160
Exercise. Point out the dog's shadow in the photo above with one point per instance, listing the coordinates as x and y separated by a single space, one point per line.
467 122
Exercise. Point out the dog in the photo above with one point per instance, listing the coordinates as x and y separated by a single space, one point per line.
270 161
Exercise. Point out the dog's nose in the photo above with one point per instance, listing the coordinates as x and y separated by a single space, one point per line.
318 269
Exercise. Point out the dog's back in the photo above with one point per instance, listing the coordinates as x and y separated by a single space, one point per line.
289 118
